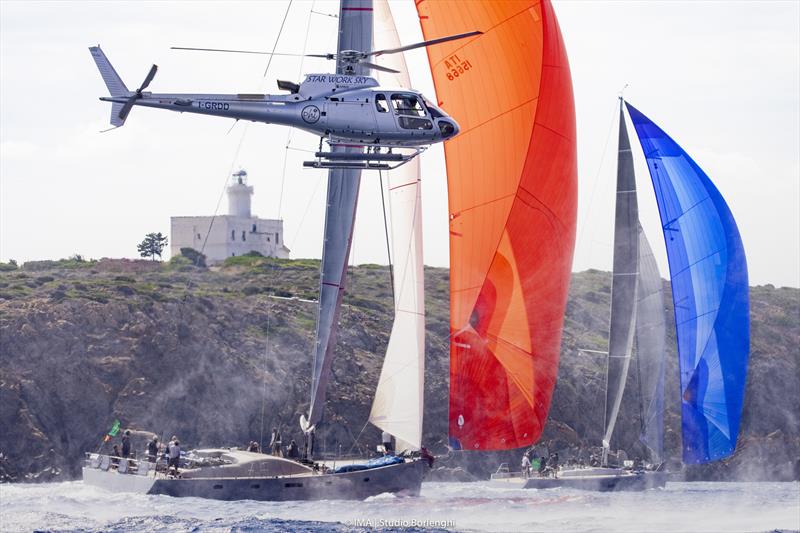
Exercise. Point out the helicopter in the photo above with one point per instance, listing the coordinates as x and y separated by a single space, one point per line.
345 110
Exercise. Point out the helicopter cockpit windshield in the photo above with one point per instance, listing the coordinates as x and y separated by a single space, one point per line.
433 110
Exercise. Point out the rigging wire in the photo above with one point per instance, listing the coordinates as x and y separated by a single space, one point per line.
267 325
300 149
291 130
597 177
278 38
386 231
324 14
305 212
222 192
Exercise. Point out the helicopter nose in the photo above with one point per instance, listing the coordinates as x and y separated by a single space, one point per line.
449 128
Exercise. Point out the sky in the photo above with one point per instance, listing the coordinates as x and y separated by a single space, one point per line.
722 78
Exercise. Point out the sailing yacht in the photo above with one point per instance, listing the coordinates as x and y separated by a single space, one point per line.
228 474
710 297
637 318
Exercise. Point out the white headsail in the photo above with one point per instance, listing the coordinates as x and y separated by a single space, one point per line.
398 403
651 335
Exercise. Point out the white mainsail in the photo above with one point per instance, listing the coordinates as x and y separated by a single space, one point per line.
398 403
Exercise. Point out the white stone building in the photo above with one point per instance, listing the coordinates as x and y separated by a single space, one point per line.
236 233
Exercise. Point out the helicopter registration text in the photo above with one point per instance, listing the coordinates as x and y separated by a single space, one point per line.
217 106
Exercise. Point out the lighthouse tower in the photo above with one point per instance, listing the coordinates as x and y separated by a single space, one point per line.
237 233
239 195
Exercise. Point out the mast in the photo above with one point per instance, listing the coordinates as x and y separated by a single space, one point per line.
355 33
398 404
623 284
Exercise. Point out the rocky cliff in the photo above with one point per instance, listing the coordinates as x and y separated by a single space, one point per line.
220 357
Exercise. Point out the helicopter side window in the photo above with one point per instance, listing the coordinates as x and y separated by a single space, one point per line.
380 103
414 123
407 104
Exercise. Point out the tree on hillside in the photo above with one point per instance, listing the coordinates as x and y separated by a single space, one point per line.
152 245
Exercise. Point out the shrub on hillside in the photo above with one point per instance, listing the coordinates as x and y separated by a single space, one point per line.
8 267
195 258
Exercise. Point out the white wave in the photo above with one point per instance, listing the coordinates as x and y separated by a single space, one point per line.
681 507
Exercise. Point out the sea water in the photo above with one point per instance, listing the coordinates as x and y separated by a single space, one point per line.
680 507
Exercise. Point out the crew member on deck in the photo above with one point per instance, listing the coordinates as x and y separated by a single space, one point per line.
386 440
554 464
126 443
526 466
293 452
275 443
174 454
152 449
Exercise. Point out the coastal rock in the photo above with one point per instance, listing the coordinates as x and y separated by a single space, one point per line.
203 355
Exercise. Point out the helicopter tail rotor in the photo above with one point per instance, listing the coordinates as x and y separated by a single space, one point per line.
126 108
122 100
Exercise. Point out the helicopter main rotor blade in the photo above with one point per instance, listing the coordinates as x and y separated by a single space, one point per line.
423 43
256 52
378 67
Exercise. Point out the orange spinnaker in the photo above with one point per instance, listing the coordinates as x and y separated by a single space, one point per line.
512 182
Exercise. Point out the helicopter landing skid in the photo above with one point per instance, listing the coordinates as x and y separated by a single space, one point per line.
372 159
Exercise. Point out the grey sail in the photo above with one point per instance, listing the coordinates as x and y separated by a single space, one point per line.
623 285
355 33
650 350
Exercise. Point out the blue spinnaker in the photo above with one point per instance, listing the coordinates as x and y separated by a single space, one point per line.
708 273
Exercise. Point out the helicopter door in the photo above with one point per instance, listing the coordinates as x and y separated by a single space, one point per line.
385 116
350 117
